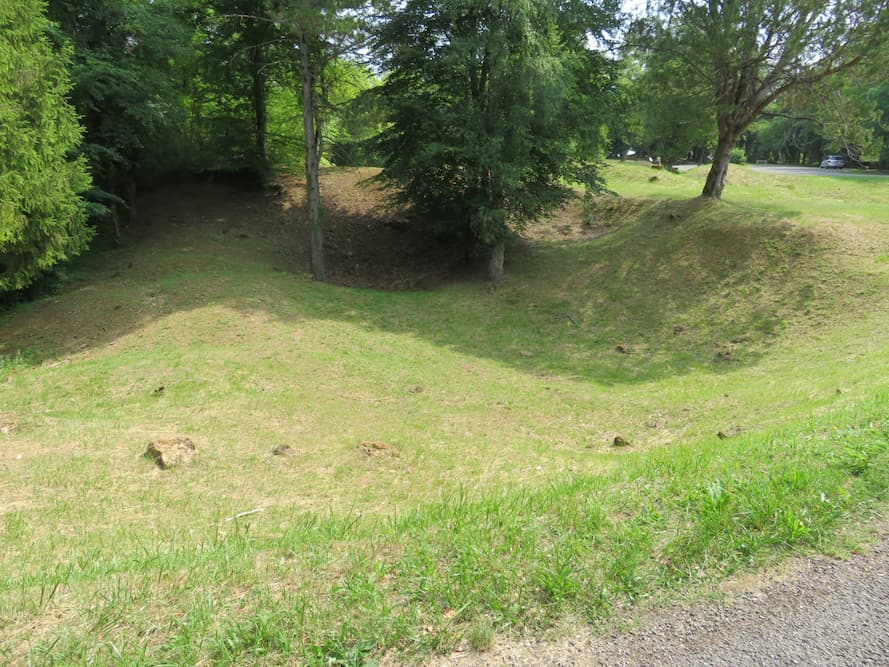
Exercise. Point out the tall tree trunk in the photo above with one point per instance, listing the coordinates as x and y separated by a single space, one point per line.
312 131
495 267
700 154
257 61
130 195
721 160
115 221
113 189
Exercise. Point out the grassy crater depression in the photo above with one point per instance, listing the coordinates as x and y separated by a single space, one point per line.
451 473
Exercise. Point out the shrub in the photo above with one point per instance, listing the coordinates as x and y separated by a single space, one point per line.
738 156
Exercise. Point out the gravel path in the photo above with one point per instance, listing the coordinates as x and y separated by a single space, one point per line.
820 612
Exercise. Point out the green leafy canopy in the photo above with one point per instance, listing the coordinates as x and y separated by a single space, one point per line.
493 109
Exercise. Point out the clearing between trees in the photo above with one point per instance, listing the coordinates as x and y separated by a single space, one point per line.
661 393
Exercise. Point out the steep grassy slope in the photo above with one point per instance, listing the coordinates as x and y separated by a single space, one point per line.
496 500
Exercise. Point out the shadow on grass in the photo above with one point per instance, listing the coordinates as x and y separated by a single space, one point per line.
676 286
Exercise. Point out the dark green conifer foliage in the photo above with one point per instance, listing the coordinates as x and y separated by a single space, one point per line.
493 110
42 213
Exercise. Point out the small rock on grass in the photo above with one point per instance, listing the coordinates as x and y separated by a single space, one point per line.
728 433
171 452
376 448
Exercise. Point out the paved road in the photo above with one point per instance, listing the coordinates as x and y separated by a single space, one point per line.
781 170
682 168
822 612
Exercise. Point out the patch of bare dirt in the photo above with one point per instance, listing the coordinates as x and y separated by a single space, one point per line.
582 220
369 243
378 449
8 423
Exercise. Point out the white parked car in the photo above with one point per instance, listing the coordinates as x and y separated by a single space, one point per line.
833 162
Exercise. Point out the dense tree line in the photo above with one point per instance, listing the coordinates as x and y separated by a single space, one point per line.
481 112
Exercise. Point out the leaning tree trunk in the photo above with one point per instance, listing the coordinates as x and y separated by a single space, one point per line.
312 136
721 160
495 267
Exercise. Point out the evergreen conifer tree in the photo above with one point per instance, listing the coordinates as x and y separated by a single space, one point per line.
42 213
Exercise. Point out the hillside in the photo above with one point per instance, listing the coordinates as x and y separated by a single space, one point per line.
447 440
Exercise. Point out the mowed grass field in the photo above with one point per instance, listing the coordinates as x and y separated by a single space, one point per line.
452 475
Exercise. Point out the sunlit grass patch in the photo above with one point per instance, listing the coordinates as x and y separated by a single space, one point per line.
450 470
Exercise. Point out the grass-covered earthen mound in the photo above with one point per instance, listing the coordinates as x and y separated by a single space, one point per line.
431 461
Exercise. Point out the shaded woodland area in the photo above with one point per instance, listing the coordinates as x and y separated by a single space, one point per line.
484 116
